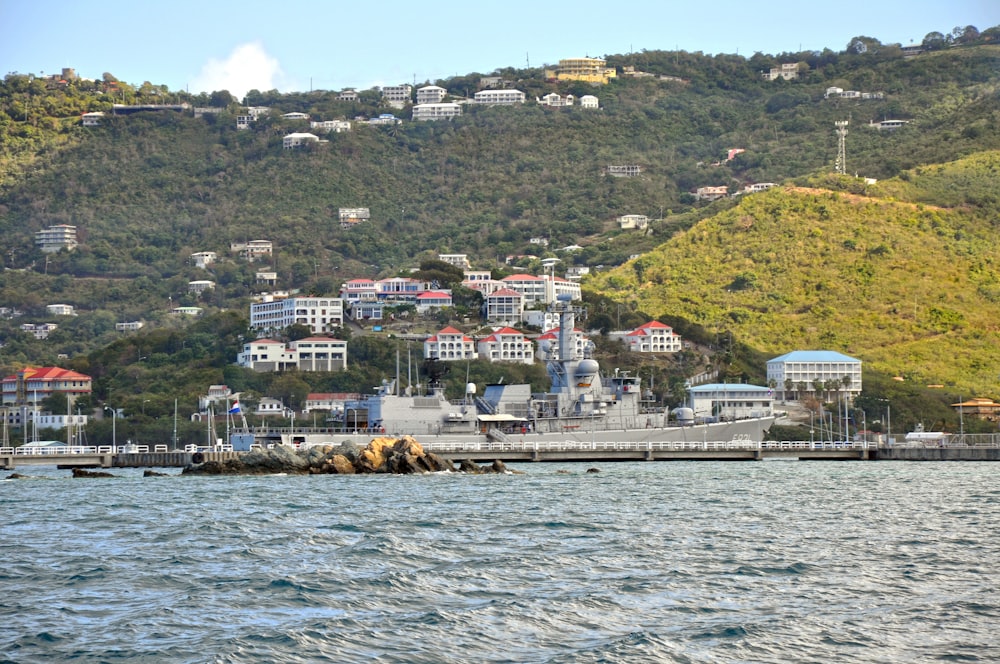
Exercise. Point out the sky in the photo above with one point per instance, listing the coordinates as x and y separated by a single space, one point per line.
336 44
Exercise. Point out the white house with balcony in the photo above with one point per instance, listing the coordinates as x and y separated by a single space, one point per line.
55 238
298 139
458 260
309 354
431 300
507 345
504 306
319 314
335 126
200 286
555 100
431 94
397 96
802 370
202 259
60 309
590 102
92 119
252 250
449 345
633 222
440 111
652 337
358 290
499 97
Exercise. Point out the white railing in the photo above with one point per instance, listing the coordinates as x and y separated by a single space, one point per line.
29 450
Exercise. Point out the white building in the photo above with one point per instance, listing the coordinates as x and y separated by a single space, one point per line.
252 250
653 337
200 286
431 300
589 101
320 314
129 326
431 94
838 372
350 94
298 140
730 401
787 71
310 354
507 345
448 345
92 119
711 193
397 96
50 421
295 116
203 259
60 309
442 111
336 126
458 260
350 217
385 119
54 238
39 330
633 221
554 100
544 290
504 306
499 97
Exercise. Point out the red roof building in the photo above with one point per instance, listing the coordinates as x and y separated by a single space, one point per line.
31 385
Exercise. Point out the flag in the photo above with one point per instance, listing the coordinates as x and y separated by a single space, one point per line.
235 408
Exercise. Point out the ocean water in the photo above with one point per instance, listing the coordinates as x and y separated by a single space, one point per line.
641 562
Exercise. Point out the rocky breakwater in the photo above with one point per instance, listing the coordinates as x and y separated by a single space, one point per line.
402 456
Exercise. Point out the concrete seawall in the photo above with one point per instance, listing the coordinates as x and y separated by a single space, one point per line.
938 454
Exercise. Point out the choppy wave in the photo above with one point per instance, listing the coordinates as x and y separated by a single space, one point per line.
654 562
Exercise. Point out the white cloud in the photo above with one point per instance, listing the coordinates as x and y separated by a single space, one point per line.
248 67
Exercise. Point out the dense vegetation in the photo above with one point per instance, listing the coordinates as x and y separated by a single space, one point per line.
901 273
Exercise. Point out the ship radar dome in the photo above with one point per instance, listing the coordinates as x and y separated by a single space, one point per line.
470 388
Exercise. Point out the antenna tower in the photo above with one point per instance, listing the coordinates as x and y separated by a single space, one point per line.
841 164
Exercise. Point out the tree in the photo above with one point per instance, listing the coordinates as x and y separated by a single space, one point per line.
934 41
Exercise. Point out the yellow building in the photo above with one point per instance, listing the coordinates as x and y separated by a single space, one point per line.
591 70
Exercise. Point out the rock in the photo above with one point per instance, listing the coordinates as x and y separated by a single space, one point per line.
341 464
81 472
469 466
593 470
153 473
373 458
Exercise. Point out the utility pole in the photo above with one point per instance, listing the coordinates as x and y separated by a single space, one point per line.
841 164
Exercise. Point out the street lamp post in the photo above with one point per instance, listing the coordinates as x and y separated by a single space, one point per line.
114 433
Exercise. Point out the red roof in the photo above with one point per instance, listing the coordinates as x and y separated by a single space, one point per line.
653 324
504 292
434 295
521 277
49 373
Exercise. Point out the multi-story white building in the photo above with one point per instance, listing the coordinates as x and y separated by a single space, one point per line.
730 401
653 337
803 368
39 330
711 193
320 314
129 326
499 97
385 119
544 290
397 96
54 238
31 385
266 277
441 111
430 94
787 71
507 345
448 345
458 260
349 94
336 126
60 309
359 290
430 300
309 354
554 100
92 119
200 285
503 306
591 70
252 250
203 259
589 101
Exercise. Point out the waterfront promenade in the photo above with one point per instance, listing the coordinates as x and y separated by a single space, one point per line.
956 448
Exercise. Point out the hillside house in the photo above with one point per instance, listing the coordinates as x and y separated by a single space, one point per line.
397 96
328 401
60 309
92 119
202 259
40 331
309 354
555 100
711 193
295 116
200 286
440 111
653 337
351 217
788 71
335 126
499 97
504 306
349 94
320 314
624 170
266 277
56 238
458 260
590 70
633 222
589 102
30 386
253 250
431 94
507 345
129 326
449 345
431 300
298 140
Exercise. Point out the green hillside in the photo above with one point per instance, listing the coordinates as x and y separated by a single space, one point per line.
912 289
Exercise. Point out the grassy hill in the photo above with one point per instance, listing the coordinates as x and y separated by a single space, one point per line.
912 289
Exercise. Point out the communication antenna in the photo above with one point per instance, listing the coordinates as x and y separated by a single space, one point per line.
841 164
